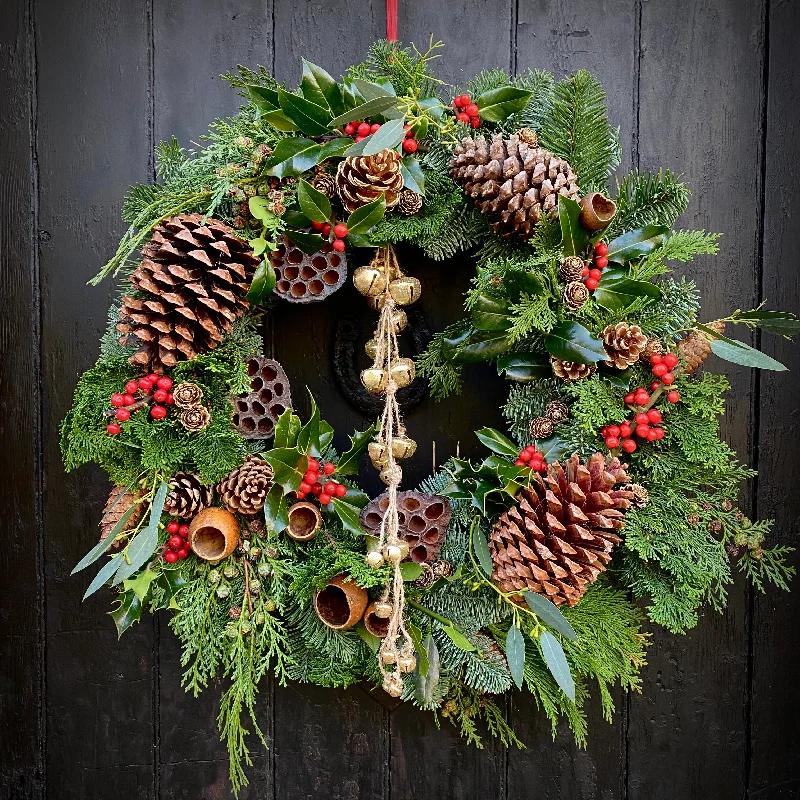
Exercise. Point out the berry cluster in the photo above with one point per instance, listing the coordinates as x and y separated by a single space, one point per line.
360 130
591 277
466 111
177 547
646 425
339 232
662 367
531 457
641 397
137 395
324 492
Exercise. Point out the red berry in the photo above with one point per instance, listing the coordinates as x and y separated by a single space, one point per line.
160 396
591 284
129 399
642 419
671 360
173 527
311 477
673 396
182 553
652 435
164 383
475 122
325 498
629 445
462 117
596 274
175 542
131 387
117 400
642 431
326 229
355 123
642 397
654 415
519 463
170 556
329 468
329 487
668 379
659 370
530 449
316 489
612 442
374 127
363 129
601 249
152 377
360 139
613 430
472 110
535 464
458 101
407 129
601 262
317 226
340 230
144 385
624 430
585 271
341 490
123 415
659 433
338 245
304 487
170 401
158 412
655 385
301 495
524 456
465 100
183 531
630 398
410 145
656 358
313 464
349 129
113 428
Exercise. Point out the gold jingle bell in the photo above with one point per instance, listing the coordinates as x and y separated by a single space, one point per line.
370 281
378 453
405 290
406 663
389 656
375 302
374 380
393 685
371 349
403 447
399 320
383 610
403 372
387 474
374 559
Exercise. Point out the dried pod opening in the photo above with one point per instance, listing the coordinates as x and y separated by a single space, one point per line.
303 522
434 510
209 543
603 207
419 554
333 606
377 626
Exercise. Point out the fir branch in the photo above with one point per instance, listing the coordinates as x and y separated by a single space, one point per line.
443 376
542 84
647 199
680 246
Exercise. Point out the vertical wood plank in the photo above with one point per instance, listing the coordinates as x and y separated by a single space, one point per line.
774 767
193 45
700 114
21 634
93 142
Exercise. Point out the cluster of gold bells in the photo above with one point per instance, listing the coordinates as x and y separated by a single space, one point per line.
387 290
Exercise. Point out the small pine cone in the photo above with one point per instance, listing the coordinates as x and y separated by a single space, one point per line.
652 347
426 580
442 569
188 496
410 202
695 348
571 370
234 612
187 395
528 135
574 295
727 505
640 495
571 269
732 550
118 503
624 344
244 491
693 519
195 419
715 526
363 179
556 411
541 428
325 183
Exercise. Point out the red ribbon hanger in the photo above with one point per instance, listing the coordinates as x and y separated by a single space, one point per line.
391 20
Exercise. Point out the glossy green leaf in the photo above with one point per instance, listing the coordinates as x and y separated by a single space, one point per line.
288 465
474 345
276 510
320 88
481 550
311 118
279 121
308 242
378 105
264 279
349 461
556 661
432 107
104 575
636 243
259 208
490 314
171 579
295 218
292 157
515 655
428 670
524 367
497 443
308 438
315 205
498 104
335 148
263 96
574 237
413 175
143 545
259 245
286 429
140 584
387 137
357 498
371 641
349 515
410 570
106 543
553 449
367 216
746 356
128 611
458 638
550 615
616 290
570 341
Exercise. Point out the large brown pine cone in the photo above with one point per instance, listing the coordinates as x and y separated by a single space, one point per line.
188 496
118 503
193 279
512 180
244 491
363 179
624 344
559 536
695 348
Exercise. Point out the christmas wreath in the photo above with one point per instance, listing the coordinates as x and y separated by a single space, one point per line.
611 499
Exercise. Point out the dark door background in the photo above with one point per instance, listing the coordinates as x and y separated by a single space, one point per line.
706 88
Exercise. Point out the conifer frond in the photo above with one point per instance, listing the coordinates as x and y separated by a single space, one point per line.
648 199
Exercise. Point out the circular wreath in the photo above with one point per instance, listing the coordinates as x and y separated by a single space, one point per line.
519 572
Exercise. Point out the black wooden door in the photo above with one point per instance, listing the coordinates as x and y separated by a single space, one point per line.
708 89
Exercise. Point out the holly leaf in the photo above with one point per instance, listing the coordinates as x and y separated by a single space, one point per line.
276 510
308 440
387 137
413 176
497 443
312 119
128 611
616 290
378 105
524 367
171 579
141 583
367 216
490 314
315 205
556 661
740 353
334 148
636 243
289 465
307 242
481 550
292 156
515 655
263 283
348 463
550 615
349 515
143 545
574 237
570 341
458 638
553 449
498 104
286 429
320 88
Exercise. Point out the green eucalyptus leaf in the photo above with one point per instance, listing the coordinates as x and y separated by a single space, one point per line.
104 575
481 550
276 510
497 443
348 463
636 243
315 205
292 157
312 119
106 543
263 283
432 107
498 104
570 341
422 657
458 638
556 661
378 105
387 137
550 615
782 323
524 367
413 176
746 356
515 655
320 88
143 545
428 682
349 515
574 237
128 611
616 290
367 216
308 242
